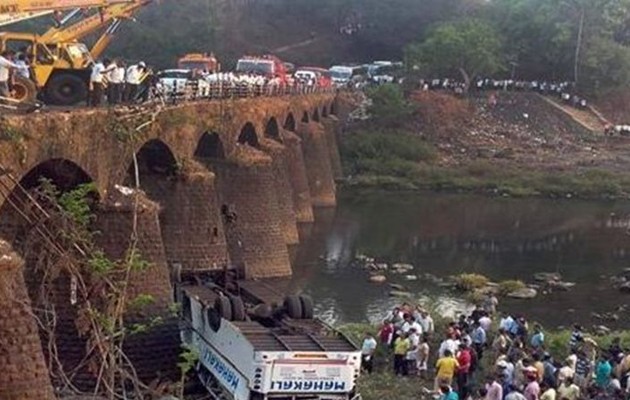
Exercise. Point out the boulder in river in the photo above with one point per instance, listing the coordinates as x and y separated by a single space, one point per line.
400 293
601 330
625 287
560 285
378 279
547 277
382 267
525 293
397 286
411 277
400 268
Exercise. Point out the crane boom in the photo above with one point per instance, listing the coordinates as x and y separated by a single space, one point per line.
28 6
27 10
94 22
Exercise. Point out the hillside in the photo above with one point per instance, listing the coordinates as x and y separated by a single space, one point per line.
300 31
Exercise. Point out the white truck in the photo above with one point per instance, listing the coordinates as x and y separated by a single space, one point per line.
266 352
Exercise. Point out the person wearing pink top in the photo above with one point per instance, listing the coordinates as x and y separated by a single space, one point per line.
532 390
494 388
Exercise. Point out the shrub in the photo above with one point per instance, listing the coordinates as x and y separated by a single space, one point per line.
389 107
507 287
469 282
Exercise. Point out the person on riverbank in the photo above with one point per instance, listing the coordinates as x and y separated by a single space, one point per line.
411 359
401 347
532 389
548 392
446 367
447 393
464 359
538 338
423 356
426 322
514 394
367 352
568 390
582 370
479 339
576 337
490 304
603 373
494 388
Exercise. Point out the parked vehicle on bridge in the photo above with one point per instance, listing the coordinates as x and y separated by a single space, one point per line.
320 77
200 63
268 65
181 82
254 346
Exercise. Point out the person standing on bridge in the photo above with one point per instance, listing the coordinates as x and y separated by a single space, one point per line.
116 79
97 84
6 65
133 80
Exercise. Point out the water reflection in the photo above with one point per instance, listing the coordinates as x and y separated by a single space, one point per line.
448 234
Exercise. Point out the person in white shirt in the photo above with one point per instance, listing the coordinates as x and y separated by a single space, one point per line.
97 84
116 81
23 69
367 352
426 322
133 81
412 353
6 65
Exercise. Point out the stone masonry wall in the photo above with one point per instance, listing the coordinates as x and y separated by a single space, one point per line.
284 190
190 221
255 238
157 350
297 176
331 125
318 169
23 371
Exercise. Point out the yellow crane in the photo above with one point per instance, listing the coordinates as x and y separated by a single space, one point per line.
60 64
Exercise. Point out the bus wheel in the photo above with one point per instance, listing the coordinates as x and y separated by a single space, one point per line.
293 307
307 307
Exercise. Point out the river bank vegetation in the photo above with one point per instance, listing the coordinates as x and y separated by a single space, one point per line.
524 147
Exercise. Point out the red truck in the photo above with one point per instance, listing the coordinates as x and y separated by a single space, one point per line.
267 65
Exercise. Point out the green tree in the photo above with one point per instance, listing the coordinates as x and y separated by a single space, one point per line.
389 107
469 47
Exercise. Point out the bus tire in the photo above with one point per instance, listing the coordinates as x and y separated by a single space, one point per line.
307 307
293 306
238 308
224 307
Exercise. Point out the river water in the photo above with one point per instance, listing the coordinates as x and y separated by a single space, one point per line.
446 234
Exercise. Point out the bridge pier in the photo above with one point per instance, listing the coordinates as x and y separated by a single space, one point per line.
318 166
158 348
190 220
284 191
297 176
332 128
24 373
250 205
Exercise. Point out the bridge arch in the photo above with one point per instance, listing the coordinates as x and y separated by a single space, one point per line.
316 115
272 130
154 158
18 229
248 136
305 118
289 123
210 146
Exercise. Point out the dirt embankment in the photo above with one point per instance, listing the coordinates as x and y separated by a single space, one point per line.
522 129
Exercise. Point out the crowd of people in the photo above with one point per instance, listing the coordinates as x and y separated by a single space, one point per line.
492 356
565 91
119 83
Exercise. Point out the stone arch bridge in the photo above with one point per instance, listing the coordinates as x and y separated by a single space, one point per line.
223 183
